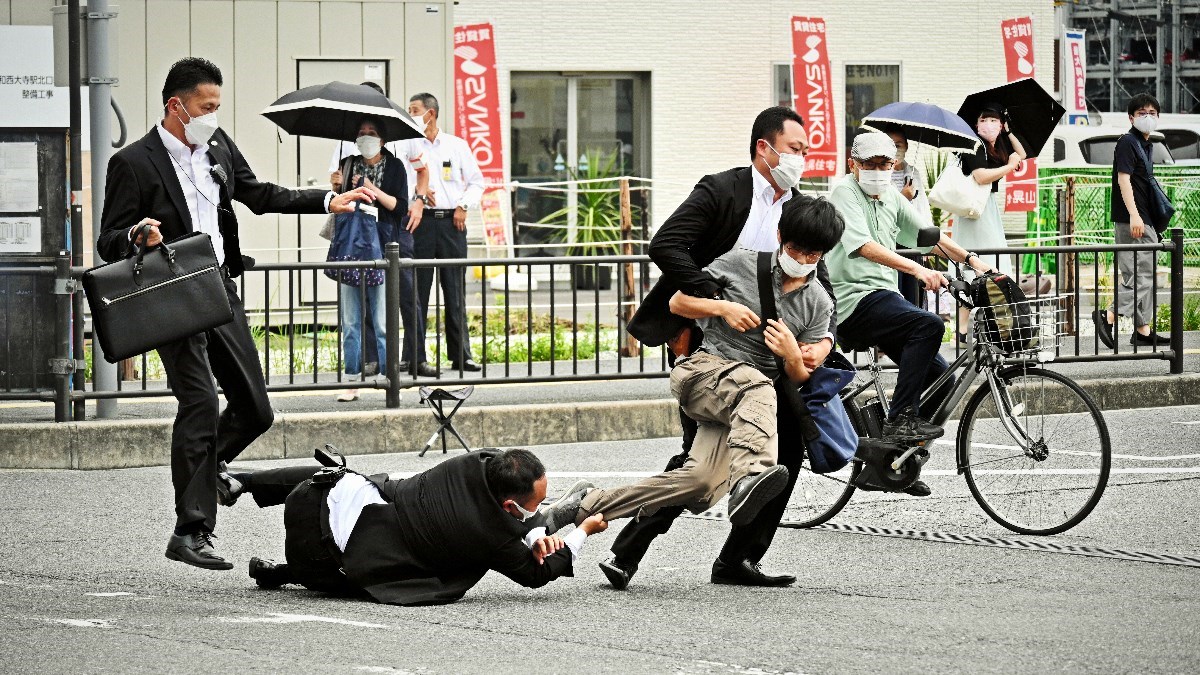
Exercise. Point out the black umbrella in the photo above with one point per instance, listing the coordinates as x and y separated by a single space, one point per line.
334 110
1032 111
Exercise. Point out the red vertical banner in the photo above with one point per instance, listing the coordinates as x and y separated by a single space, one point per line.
1020 193
477 120
812 94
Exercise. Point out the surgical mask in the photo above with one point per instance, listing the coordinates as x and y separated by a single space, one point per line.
199 129
1145 124
368 146
794 268
525 515
789 171
874 182
989 130
419 120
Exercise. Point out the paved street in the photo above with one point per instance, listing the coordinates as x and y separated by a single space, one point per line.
84 586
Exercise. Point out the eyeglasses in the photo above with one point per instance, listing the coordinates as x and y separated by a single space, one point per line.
800 254
871 165
1145 113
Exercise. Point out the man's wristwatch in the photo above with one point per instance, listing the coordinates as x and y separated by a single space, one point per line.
423 198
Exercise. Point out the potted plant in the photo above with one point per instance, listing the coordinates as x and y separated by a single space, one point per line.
597 219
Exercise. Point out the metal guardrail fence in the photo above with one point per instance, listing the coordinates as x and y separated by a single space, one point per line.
571 327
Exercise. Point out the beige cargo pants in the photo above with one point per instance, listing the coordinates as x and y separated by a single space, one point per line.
734 405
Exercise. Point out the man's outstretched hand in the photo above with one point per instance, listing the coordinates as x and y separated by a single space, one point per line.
595 523
344 202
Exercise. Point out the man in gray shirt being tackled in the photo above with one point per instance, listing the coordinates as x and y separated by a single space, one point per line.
726 385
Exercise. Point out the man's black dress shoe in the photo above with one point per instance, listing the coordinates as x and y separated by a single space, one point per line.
228 487
752 493
747 573
423 369
1104 329
404 366
618 573
269 574
196 549
469 366
918 489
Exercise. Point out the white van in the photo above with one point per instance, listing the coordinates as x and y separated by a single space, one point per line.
1181 134
1087 146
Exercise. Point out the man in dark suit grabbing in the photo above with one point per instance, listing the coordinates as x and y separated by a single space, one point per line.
425 540
738 208
180 178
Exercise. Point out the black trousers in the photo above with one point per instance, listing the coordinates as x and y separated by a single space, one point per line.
747 542
312 558
202 434
437 238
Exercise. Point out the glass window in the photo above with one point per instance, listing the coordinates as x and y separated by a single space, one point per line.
868 87
1184 144
782 84
1100 151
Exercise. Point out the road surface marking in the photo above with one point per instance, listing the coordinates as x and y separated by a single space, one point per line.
84 623
108 595
1082 453
277 617
1192 422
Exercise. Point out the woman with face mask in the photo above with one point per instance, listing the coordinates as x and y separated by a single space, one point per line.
1000 154
377 169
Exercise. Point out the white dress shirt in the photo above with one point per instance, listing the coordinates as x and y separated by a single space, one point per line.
759 234
458 184
200 188
346 502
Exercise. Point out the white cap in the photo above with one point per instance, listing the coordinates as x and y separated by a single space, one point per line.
873 144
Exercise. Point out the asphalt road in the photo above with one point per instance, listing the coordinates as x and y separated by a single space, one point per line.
84 586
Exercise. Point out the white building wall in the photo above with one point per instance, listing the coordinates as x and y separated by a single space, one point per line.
710 62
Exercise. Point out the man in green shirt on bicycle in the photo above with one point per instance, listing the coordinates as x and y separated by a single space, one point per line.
862 269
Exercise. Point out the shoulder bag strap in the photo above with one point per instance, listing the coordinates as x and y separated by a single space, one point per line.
1141 152
766 301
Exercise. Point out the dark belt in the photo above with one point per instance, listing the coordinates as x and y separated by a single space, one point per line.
439 214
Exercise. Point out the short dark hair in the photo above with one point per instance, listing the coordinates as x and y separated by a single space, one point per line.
810 223
512 473
1140 101
377 123
769 124
188 73
429 101
373 85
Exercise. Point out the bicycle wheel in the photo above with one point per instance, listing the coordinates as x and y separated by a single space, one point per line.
1055 484
819 497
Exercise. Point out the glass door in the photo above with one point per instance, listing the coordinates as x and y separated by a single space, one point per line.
567 126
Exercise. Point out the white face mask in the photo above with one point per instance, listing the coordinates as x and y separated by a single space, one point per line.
368 146
792 267
789 171
419 119
525 515
1145 124
874 182
197 130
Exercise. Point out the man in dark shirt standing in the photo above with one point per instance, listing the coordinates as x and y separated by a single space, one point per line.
1133 169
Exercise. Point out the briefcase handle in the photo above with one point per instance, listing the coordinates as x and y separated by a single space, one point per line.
141 231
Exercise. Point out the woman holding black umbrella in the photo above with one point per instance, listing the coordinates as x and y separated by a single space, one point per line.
1000 154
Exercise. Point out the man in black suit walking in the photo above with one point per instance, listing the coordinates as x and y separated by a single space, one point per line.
425 540
735 208
182 177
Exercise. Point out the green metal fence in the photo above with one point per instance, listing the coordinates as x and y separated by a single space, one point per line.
1092 194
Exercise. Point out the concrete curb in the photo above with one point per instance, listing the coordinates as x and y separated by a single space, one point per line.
120 444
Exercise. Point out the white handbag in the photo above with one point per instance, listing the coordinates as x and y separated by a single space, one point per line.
958 193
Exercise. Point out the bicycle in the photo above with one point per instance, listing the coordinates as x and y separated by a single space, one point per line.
1032 444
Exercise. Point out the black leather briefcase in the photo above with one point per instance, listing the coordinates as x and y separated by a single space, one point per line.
159 296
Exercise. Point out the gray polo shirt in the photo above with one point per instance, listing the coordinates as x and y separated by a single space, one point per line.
805 311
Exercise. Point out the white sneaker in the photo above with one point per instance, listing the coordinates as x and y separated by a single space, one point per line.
348 395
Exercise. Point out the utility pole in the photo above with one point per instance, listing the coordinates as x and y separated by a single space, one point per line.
100 82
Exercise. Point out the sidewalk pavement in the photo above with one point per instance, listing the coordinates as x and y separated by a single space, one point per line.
497 415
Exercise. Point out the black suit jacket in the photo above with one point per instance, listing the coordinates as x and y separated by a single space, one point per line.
441 532
706 225
141 183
